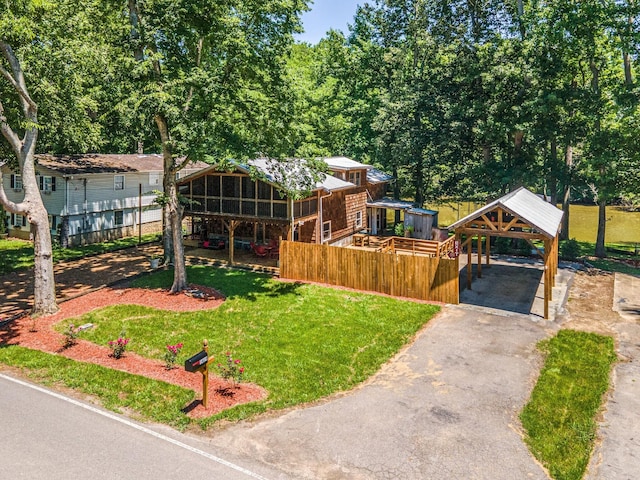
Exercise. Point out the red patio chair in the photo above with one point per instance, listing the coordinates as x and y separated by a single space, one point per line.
259 250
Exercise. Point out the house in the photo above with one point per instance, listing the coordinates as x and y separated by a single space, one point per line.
249 202
94 197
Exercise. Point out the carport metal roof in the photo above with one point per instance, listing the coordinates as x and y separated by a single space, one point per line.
522 203
519 214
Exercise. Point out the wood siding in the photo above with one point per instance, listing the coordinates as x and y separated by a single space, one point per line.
412 276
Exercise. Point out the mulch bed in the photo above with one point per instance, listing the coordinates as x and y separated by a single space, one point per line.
222 394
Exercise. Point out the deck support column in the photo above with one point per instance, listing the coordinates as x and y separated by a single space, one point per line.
488 249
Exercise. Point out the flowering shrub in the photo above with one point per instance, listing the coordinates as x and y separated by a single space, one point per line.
119 346
232 369
70 336
171 355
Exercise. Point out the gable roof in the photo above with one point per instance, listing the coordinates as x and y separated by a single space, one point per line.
541 215
278 174
105 163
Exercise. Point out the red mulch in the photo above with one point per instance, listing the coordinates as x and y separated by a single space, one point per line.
222 394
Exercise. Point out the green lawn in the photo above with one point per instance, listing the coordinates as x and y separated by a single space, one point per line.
560 417
119 391
18 254
300 342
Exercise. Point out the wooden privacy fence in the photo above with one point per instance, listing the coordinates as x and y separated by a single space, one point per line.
412 276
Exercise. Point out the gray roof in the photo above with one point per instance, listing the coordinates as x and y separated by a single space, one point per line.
390 203
291 174
378 176
422 211
541 215
279 173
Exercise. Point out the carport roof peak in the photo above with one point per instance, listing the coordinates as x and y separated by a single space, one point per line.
541 215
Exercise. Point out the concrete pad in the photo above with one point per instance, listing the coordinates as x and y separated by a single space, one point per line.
513 284
617 456
446 407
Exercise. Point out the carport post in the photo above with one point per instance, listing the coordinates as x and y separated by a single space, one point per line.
479 256
488 249
469 243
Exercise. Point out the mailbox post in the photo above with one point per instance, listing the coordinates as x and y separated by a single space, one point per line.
200 363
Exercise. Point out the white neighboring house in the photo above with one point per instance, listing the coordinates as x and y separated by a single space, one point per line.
94 197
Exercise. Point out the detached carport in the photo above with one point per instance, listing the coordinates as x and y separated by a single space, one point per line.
519 214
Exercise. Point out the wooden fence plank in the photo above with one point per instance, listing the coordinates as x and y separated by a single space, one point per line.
413 276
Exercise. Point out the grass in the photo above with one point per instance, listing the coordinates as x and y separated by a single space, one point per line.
560 417
119 391
300 342
18 254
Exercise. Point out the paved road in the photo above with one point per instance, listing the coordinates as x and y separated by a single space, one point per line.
46 437
445 408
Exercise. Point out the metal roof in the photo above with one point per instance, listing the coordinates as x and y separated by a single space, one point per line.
422 211
541 215
279 174
378 176
391 203
344 163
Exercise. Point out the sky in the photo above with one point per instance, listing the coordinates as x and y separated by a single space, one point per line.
327 14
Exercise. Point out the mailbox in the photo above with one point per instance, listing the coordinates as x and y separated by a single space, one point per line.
195 363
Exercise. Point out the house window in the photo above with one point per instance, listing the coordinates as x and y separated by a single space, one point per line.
47 184
53 222
358 219
18 220
326 231
16 182
119 217
354 177
118 182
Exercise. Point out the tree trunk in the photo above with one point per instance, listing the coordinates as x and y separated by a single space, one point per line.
552 179
172 207
566 194
44 301
32 206
602 222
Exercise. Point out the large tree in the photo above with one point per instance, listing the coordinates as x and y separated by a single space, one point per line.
31 205
208 75
52 63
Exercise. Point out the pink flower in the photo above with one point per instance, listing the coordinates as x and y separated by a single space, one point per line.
237 361
241 369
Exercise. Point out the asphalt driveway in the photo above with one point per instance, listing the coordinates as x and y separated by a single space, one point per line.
445 408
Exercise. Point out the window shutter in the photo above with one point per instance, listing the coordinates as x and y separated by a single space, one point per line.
13 181
24 220
13 219
53 184
41 183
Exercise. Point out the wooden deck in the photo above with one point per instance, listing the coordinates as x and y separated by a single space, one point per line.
242 259
404 245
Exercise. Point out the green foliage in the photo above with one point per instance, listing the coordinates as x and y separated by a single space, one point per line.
560 416
502 245
285 332
570 249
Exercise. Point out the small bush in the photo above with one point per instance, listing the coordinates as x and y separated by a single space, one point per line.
502 245
570 249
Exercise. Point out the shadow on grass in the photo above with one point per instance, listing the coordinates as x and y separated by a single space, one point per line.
232 283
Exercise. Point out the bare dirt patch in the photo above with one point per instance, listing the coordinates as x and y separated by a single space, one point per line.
222 394
590 304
